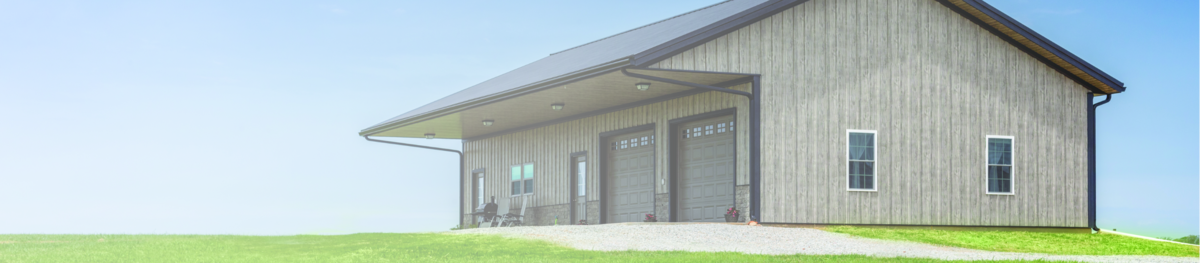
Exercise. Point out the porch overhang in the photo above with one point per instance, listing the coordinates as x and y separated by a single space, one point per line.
586 94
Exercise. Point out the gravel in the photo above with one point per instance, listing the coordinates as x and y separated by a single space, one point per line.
764 240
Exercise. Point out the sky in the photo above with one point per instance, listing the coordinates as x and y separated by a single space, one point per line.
241 117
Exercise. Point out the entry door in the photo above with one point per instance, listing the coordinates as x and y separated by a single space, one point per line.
579 181
630 177
706 169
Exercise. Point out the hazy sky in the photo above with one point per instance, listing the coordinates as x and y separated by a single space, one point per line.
241 117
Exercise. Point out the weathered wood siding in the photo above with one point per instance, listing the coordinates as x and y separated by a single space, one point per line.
550 147
933 85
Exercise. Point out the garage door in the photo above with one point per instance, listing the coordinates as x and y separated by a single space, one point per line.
706 166
630 177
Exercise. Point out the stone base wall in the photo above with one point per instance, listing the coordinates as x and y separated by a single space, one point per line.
662 207
544 215
742 202
593 212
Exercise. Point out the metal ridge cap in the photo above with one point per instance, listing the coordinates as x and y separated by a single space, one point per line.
1045 43
439 112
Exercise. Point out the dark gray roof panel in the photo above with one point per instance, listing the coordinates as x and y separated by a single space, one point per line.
599 52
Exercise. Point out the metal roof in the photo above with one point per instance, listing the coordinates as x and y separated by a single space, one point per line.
650 43
617 47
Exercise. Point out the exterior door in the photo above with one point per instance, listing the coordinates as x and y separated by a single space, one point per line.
629 177
706 169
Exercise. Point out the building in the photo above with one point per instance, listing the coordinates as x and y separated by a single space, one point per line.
906 112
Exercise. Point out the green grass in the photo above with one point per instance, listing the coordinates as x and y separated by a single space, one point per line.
347 248
1192 239
1035 242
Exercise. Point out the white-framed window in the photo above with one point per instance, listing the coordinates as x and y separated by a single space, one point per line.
479 199
522 179
861 160
999 164
581 173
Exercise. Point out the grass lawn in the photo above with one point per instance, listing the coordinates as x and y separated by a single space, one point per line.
1036 242
346 248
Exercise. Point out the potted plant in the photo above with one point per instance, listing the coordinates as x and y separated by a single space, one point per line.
582 222
731 215
650 218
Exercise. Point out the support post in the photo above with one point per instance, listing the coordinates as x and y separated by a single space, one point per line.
755 131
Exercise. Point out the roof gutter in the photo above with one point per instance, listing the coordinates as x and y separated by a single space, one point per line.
461 184
1092 157
755 130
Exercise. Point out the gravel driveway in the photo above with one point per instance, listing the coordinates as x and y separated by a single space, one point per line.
764 240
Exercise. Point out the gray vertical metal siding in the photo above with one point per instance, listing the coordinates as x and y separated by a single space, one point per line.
933 85
550 147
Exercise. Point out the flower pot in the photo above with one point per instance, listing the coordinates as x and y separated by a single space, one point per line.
650 220
731 218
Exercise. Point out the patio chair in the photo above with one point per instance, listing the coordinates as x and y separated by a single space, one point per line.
511 219
501 209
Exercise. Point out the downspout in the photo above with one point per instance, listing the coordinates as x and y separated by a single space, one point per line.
755 169
1092 158
460 171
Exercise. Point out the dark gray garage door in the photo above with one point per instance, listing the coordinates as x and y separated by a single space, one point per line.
706 165
630 175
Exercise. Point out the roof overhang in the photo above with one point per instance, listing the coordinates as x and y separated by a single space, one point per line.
583 96
1034 43
461 119
534 87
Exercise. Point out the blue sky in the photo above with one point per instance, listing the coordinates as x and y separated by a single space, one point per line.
240 117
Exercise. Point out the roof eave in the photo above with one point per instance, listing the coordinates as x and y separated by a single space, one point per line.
1107 83
519 91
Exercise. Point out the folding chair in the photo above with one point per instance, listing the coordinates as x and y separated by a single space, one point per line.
501 209
511 219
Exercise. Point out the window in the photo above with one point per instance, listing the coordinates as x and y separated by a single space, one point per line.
522 179
632 143
529 178
999 164
479 190
579 201
706 130
861 160
581 171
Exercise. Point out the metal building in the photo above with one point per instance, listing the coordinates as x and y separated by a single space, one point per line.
905 112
